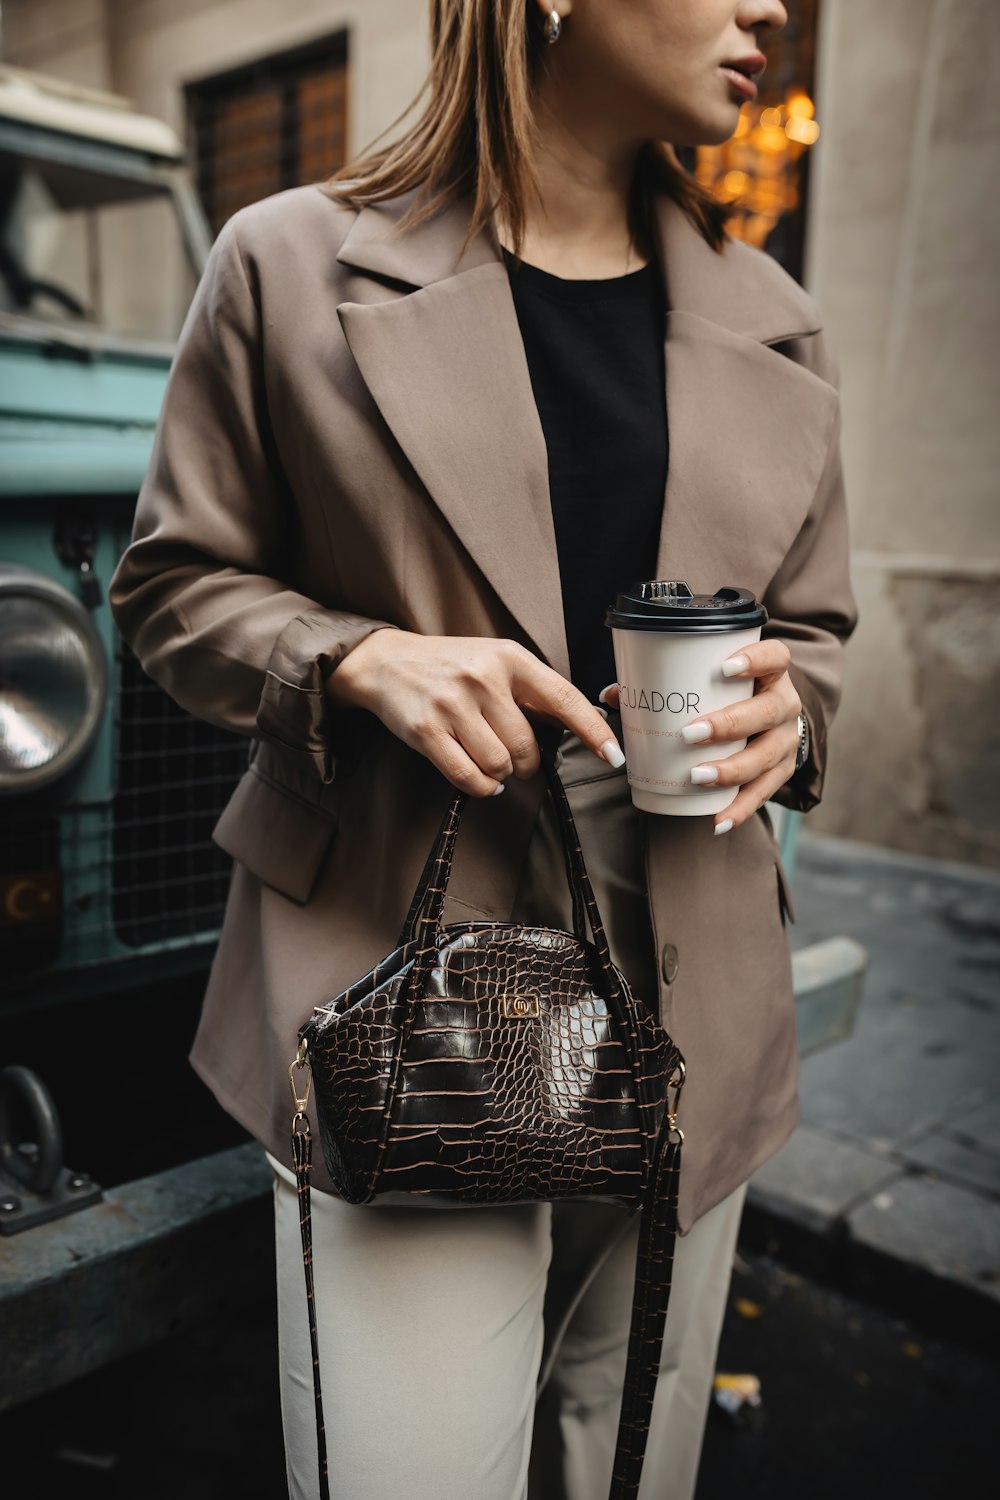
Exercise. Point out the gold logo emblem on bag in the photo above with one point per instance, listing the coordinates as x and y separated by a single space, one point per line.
520 1006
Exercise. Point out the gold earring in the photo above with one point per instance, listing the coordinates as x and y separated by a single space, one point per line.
553 26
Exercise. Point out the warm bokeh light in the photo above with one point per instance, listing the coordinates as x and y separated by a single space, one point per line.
757 168
806 131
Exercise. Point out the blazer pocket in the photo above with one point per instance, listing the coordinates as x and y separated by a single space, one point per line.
275 835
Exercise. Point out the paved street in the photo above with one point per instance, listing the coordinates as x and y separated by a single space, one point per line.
854 1404
896 1165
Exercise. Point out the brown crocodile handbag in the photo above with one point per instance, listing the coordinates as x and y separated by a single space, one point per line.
495 1062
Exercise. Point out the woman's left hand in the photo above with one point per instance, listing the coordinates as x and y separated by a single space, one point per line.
768 720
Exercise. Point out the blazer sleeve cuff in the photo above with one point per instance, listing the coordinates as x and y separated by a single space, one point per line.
804 789
295 712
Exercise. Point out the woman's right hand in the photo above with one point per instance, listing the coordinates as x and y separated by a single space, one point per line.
462 701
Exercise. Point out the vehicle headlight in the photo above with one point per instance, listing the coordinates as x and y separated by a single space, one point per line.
53 680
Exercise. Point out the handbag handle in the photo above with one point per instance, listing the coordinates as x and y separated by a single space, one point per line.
448 830
423 920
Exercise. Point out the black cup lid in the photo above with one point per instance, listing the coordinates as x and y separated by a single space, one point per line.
669 605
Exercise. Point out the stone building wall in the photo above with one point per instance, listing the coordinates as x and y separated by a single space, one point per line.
904 250
149 49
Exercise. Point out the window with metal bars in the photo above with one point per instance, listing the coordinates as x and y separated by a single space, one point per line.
272 124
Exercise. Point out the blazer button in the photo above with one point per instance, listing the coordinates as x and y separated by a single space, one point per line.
669 962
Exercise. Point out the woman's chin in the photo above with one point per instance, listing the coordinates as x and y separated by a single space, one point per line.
710 129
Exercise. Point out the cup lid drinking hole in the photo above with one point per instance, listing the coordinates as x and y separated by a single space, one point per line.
669 605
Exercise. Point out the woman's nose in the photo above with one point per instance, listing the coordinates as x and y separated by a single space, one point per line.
764 17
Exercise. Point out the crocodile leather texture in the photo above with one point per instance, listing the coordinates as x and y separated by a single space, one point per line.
495 1062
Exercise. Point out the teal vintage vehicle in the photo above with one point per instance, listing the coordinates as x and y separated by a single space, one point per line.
111 890
108 791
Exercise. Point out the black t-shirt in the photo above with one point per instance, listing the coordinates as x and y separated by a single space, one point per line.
595 357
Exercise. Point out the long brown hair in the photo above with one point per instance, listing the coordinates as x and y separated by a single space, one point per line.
475 134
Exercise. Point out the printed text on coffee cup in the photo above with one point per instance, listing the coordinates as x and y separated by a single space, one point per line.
657 703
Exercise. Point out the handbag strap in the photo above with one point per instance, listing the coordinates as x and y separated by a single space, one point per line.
650 1299
424 916
423 923
302 1161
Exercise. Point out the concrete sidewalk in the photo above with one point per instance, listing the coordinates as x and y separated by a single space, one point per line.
891 1184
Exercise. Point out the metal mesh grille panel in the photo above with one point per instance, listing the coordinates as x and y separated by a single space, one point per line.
175 774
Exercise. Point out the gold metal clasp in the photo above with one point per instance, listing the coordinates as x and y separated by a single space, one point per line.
300 1060
676 1083
520 1006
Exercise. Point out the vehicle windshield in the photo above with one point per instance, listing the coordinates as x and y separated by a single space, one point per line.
88 249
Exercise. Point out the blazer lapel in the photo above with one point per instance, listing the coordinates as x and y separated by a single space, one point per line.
748 427
446 367
749 431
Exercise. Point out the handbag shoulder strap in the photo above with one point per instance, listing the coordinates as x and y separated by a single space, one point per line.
650 1299
302 1160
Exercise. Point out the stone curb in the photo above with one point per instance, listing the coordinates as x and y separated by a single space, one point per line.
861 1252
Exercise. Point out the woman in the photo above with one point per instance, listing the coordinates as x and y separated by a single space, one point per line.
415 435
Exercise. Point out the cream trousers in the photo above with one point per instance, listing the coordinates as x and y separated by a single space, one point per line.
478 1352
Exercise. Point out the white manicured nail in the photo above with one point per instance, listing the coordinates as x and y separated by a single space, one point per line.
602 711
735 665
693 734
612 752
497 789
703 775
724 826
602 696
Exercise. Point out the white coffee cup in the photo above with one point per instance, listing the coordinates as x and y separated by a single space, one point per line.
669 648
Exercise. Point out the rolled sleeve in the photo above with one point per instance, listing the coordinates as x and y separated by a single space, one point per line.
295 711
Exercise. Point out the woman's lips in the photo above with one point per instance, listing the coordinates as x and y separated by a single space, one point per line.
740 82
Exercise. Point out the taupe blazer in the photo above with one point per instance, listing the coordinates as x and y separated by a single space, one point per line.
349 439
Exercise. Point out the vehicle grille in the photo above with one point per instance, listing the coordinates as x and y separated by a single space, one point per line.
138 872
175 774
